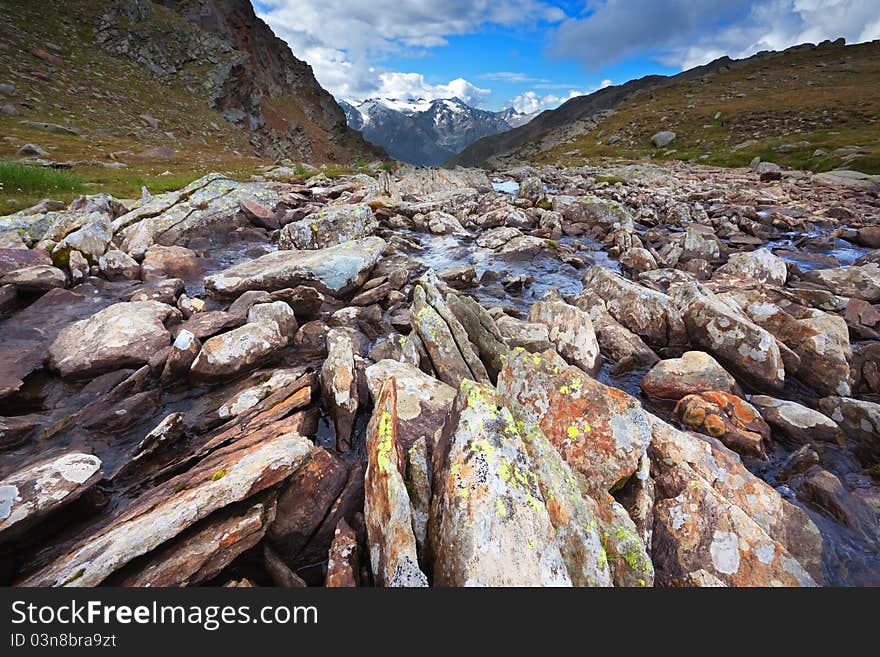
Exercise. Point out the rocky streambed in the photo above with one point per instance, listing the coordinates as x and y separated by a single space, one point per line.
630 376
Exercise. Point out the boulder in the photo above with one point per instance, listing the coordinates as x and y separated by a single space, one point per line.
663 138
91 241
241 349
528 335
481 331
330 226
600 431
489 524
531 189
242 469
819 339
443 336
575 516
422 401
699 243
570 330
497 237
716 523
336 270
748 350
860 421
694 372
29 495
760 265
19 258
724 416
638 260
169 262
35 279
858 281
78 266
617 343
119 266
339 385
580 214
441 223
207 207
796 422
122 335
648 313
387 506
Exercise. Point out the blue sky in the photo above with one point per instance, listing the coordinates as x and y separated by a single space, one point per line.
535 54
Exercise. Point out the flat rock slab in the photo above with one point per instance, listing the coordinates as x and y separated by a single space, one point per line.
12 259
24 338
199 556
336 270
122 335
231 474
30 494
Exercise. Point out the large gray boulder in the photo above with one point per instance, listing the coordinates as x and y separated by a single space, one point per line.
336 270
332 225
122 335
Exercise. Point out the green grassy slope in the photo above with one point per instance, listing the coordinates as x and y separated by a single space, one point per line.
816 109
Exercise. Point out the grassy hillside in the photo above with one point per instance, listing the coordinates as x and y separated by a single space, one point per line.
164 133
62 76
813 108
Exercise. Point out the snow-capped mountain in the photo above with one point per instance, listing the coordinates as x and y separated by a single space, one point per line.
426 132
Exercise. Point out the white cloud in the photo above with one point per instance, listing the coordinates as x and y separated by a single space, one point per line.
342 39
780 24
413 85
684 33
530 101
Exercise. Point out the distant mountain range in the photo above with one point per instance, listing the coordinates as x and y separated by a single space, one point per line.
426 132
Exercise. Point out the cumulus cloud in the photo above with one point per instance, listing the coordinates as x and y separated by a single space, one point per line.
530 102
414 85
684 33
342 39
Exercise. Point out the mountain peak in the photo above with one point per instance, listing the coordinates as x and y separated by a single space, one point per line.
426 132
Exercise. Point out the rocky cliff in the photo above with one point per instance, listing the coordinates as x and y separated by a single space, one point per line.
223 51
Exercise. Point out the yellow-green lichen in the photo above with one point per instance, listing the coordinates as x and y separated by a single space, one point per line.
386 441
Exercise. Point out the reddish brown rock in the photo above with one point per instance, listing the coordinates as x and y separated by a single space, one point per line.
392 543
304 502
600 431
728 418
169 262
201 555
694 372
12 259
343 562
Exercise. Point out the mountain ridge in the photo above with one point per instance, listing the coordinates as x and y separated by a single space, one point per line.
770 84
425 132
